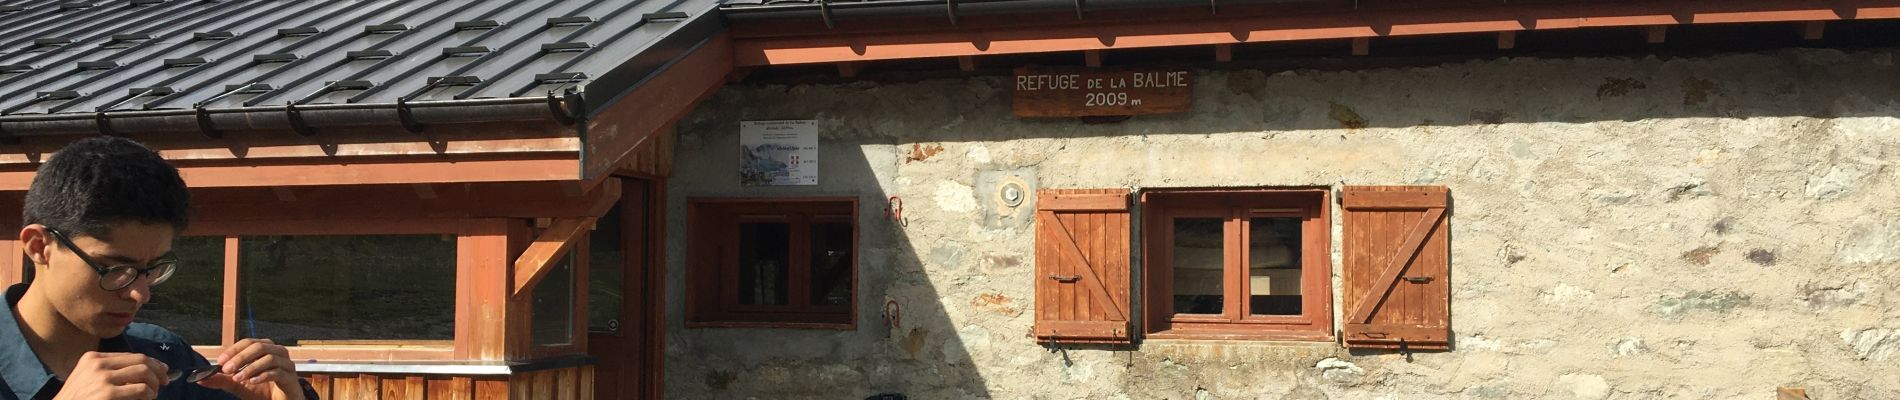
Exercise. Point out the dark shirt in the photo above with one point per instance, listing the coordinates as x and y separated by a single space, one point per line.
23 377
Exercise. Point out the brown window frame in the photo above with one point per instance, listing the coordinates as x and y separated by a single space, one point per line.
712 276
1236 208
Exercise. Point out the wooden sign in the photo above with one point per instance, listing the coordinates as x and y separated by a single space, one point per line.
1095 92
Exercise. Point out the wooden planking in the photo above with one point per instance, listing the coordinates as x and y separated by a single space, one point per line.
1389 237
1081 201
586 383
544 384
321 384
368 387
491 389
566 384
1092 247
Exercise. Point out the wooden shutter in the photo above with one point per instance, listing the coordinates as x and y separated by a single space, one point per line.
1082 244
1397 264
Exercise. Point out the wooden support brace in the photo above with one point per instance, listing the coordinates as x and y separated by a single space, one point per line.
553 243
1092 58
1658 33
1361 46
848 69
1223 53
1812 30
966 63
425 191
739 74
1507 40
547 250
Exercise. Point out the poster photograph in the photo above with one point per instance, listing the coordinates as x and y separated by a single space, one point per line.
778 153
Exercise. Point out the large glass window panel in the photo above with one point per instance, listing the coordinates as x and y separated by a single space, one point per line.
553 316
606 276
1273 270
1197 258
191 302
347 289
764 263
831 261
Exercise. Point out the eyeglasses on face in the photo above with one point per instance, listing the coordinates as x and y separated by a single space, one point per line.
115 277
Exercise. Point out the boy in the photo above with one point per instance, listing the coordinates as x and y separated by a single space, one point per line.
99 220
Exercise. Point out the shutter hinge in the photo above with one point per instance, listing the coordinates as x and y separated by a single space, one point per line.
1418 279
1066 278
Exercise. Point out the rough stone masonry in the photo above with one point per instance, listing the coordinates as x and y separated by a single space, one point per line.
1624 228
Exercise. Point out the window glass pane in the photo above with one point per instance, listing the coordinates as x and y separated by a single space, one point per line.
1273 270
764 260
189 303
553 316
1197 261
605 276
831 262
312 290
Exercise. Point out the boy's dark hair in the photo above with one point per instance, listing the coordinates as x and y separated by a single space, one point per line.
96 182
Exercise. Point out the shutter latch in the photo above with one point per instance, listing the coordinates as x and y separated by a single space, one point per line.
1418 279
1066 278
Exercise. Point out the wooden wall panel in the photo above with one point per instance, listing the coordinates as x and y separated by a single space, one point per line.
573 383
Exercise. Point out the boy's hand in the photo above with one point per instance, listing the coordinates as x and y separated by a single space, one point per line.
113 376
256 369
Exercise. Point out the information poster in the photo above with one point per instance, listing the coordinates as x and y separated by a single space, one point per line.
778 153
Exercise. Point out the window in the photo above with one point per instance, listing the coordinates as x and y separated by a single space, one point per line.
190 303
605 274
1243 264
773 262
553 314
347 289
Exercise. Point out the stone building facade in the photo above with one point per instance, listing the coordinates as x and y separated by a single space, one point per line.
1707 227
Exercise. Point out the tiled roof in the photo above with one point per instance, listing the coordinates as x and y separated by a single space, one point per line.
62 56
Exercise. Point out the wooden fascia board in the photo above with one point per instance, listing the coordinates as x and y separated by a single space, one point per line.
834 47
539 258
639 116
561 168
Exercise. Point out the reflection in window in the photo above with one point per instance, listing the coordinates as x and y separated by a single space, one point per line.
190 303
354 289
1198 265
605 276
831 261
764 258
1273 270
553 315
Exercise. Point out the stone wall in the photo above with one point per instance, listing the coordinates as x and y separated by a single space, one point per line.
1624 228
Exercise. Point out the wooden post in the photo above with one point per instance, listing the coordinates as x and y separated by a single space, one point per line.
228 311
482 284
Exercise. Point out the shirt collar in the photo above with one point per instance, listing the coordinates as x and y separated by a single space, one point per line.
19 367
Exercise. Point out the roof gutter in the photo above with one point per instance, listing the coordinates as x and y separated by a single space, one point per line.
304 119
831 11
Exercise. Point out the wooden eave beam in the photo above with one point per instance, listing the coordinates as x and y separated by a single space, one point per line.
641 115
553 243
976 40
